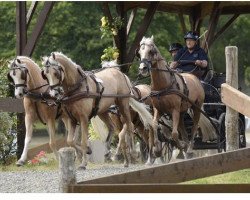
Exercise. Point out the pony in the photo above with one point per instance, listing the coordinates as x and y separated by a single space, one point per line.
85 95
169 92
25 75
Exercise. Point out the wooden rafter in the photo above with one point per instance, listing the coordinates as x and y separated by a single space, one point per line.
226 25
182 21
42 18
142 29
131 20
31 11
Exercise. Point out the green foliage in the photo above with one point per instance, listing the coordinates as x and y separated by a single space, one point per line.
110 53
7 139
4 83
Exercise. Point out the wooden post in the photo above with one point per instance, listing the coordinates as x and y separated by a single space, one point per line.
67 171
231 121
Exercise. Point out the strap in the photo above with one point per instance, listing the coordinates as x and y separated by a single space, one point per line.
38 114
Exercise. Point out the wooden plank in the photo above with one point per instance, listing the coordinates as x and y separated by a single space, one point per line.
42 18
237 9
159 188
11 105
182 171
235 99
142 29
45 147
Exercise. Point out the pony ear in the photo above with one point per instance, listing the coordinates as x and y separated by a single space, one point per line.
53 55
18 60
43 75
9 78
152 37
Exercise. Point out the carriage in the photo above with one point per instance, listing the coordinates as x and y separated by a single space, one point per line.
216 110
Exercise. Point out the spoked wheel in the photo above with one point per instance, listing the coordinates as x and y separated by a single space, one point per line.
167 152
241 129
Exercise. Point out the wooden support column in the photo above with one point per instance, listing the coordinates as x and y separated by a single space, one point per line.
231 121
122 35
21 34
183 25
142 29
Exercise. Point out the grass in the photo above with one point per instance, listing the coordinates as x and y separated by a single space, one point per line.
241 176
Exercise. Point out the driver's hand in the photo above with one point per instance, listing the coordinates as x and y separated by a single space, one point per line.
198 62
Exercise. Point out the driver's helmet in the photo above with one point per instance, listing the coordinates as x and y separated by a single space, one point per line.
191 35
174 47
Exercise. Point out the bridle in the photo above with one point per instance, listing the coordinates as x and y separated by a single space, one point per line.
59 74
24 73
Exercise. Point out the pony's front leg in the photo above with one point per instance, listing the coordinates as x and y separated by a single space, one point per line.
29 130
84 142
175 134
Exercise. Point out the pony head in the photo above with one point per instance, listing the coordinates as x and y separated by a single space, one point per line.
148 55
54 74
18 76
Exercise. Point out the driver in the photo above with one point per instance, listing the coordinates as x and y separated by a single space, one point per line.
191 58
174 48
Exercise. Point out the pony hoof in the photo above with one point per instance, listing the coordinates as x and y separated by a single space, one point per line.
180 156
89 151
189 155
126 165
148 163
20 163
82 167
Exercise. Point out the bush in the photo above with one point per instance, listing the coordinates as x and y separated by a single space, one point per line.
7 139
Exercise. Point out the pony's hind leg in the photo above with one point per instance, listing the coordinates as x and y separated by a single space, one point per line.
29 130
193 132
52 141
126 135
106 119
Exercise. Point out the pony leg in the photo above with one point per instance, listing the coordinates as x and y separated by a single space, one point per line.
29 130
175 134
184 136
84 142
157 143
127 127
52 141
106 119
151 157
193 131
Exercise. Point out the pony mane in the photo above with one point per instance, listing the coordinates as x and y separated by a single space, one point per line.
29 59
67 58
112 63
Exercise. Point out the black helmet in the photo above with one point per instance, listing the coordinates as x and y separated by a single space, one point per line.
191 35
174 46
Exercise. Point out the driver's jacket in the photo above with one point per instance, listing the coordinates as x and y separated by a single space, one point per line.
184 54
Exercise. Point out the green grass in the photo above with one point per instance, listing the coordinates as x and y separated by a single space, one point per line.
242 176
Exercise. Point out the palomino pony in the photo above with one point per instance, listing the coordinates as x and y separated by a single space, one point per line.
168 93
26 76
85 95
141 91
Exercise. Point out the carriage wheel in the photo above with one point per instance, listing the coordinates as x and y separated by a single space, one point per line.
167 152
241 128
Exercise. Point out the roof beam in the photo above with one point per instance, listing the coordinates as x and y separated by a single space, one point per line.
42 18
31 12
131 20
142 29
226 10
222 30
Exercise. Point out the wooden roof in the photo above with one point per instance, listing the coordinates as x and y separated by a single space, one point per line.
188 7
